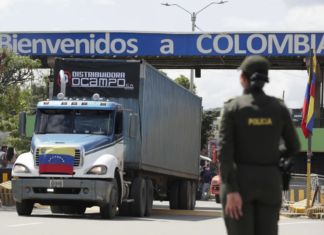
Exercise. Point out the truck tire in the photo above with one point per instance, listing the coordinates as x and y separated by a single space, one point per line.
69 210
174 195
57 209
81 210
25 207
185 195
138 193
109 210
124 209
193 196
217 198
149 197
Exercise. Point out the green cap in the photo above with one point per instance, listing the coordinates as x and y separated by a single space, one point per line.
255 63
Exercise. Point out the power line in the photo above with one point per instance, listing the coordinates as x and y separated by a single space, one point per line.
224 74
291 74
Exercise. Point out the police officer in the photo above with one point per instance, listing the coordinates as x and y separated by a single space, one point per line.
251 128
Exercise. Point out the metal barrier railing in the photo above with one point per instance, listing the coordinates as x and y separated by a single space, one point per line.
295 199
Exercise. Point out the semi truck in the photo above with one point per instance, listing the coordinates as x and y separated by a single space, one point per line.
116 134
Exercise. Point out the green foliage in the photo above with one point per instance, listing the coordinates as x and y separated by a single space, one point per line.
12 101
16 94
184 81
161 71
15 69
207 128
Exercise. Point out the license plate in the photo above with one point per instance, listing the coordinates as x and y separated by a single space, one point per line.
56 184
214 188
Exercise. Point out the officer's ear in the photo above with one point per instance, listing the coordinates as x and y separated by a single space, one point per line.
244 81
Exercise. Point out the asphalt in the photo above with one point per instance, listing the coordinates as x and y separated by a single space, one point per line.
162 221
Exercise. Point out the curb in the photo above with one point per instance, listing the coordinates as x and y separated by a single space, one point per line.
318 216
297 215
292 215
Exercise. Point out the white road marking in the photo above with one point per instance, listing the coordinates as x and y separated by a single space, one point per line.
18 225
301 223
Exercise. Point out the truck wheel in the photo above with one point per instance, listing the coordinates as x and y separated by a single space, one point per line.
149 198
193 196
124 209
109 210
138 193
69 210
174 195
25 207
81 210
185 195
57 209
217 198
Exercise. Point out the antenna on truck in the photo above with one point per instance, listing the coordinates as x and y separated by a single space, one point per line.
63 85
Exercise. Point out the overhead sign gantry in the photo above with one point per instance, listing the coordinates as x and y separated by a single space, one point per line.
285 50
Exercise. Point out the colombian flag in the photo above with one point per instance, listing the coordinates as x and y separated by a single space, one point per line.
308 108
56 160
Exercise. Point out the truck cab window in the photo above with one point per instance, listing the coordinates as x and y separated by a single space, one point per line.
95 122
119 123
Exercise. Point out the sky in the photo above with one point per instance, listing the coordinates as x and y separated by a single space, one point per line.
214 86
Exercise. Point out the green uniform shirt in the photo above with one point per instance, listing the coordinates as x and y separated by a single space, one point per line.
251 128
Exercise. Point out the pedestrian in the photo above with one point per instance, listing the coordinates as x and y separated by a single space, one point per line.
3 151
251 127
10 157
206 186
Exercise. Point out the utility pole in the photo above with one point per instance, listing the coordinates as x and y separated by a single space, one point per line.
193 20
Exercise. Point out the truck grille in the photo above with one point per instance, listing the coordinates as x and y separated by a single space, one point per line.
77 157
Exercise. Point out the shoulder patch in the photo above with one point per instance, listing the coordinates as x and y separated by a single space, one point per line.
230 99
279 99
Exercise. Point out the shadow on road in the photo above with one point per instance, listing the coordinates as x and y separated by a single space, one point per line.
197 208
46 213
153 217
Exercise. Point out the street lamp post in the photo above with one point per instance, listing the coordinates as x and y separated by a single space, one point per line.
193 20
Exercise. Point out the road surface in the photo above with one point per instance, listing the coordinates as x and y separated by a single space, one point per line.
43 222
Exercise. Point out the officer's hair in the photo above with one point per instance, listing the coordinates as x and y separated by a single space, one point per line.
256 76
257 79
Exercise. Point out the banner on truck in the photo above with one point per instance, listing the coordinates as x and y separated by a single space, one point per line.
84 78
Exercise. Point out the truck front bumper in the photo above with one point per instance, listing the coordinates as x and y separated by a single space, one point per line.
95 192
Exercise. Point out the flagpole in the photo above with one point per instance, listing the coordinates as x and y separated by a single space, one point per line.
309 152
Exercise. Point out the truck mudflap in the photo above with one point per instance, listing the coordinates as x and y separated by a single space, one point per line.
95 191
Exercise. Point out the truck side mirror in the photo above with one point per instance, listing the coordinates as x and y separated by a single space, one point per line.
133 122
22 124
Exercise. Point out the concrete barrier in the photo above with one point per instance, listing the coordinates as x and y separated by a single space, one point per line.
5 187
5 175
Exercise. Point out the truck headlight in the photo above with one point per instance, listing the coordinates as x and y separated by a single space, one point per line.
20 169
97 170
214 182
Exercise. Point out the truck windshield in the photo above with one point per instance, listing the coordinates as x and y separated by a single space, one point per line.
97 122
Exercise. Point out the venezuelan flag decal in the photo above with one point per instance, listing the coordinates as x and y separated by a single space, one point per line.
56 160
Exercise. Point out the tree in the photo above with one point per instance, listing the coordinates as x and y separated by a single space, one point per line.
184 81
12 101
16 94
15 69
161 71
207 128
